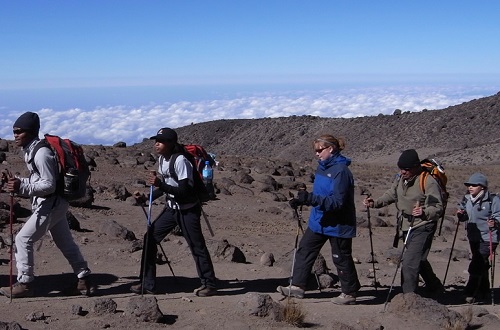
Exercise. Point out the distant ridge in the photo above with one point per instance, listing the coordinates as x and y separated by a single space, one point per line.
459 134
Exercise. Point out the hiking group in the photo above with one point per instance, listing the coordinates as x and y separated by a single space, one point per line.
417 196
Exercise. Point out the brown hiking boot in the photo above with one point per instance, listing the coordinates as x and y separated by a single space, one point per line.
205 291
82 287
137 288
85 287
19 290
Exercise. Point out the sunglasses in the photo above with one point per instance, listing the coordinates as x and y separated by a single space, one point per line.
318 151
19 131
472 185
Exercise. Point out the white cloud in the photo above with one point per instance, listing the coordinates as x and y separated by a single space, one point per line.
108 125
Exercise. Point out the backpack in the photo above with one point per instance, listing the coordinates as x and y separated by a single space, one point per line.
432 167
73 169
200 156
194 154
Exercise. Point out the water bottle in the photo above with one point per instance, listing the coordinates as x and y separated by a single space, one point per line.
71 183
208 175
208 172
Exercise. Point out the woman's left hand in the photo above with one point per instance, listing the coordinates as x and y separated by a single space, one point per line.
491 223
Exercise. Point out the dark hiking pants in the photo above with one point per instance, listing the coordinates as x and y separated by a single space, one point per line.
479 284
309 247
189 222
415 261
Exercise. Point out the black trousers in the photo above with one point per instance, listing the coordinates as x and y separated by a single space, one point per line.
478 283
415 261
309 247
189 221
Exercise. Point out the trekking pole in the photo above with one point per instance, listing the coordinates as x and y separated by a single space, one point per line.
11 221
207 222
492 267
397 266
451 252
147 238
5 178
161 248
294 253
405 243
298 215
371 242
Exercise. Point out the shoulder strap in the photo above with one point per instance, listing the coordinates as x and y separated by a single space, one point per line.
423 180
171 167
42 144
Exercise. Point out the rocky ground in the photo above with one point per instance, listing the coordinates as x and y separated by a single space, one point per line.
251 219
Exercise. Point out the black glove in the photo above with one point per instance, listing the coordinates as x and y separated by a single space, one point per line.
294 203
140 198
304 197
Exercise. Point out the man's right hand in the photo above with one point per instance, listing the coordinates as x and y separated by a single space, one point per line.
368 202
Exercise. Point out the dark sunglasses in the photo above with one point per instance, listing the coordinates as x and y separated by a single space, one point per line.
19 131
472 185
318 151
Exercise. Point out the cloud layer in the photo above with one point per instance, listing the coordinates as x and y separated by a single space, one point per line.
108 125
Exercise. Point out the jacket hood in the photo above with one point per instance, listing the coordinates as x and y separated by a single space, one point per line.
337 158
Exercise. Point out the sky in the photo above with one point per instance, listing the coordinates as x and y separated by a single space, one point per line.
103 71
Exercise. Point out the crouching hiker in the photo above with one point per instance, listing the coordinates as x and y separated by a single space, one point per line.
332 218
481 210
182 208
420 213
49 213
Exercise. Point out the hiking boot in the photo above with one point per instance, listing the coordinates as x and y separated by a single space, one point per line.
19 290
291 291
344 299
469 300
205 291
81 287
137 288
85 287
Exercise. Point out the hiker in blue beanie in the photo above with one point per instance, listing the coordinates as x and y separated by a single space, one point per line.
481 211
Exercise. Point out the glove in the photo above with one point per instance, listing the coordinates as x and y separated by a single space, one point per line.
140 198
304 197
294 203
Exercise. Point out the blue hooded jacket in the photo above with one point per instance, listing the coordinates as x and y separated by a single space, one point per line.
334 212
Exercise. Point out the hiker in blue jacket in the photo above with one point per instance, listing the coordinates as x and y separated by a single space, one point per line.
332 218
481 210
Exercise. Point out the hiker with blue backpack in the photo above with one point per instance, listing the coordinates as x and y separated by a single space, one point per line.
49 213
480 209
420 212
175 179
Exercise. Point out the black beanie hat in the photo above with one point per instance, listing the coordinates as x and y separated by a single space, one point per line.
408 159
28 121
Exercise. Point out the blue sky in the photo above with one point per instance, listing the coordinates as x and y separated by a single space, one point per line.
126 67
